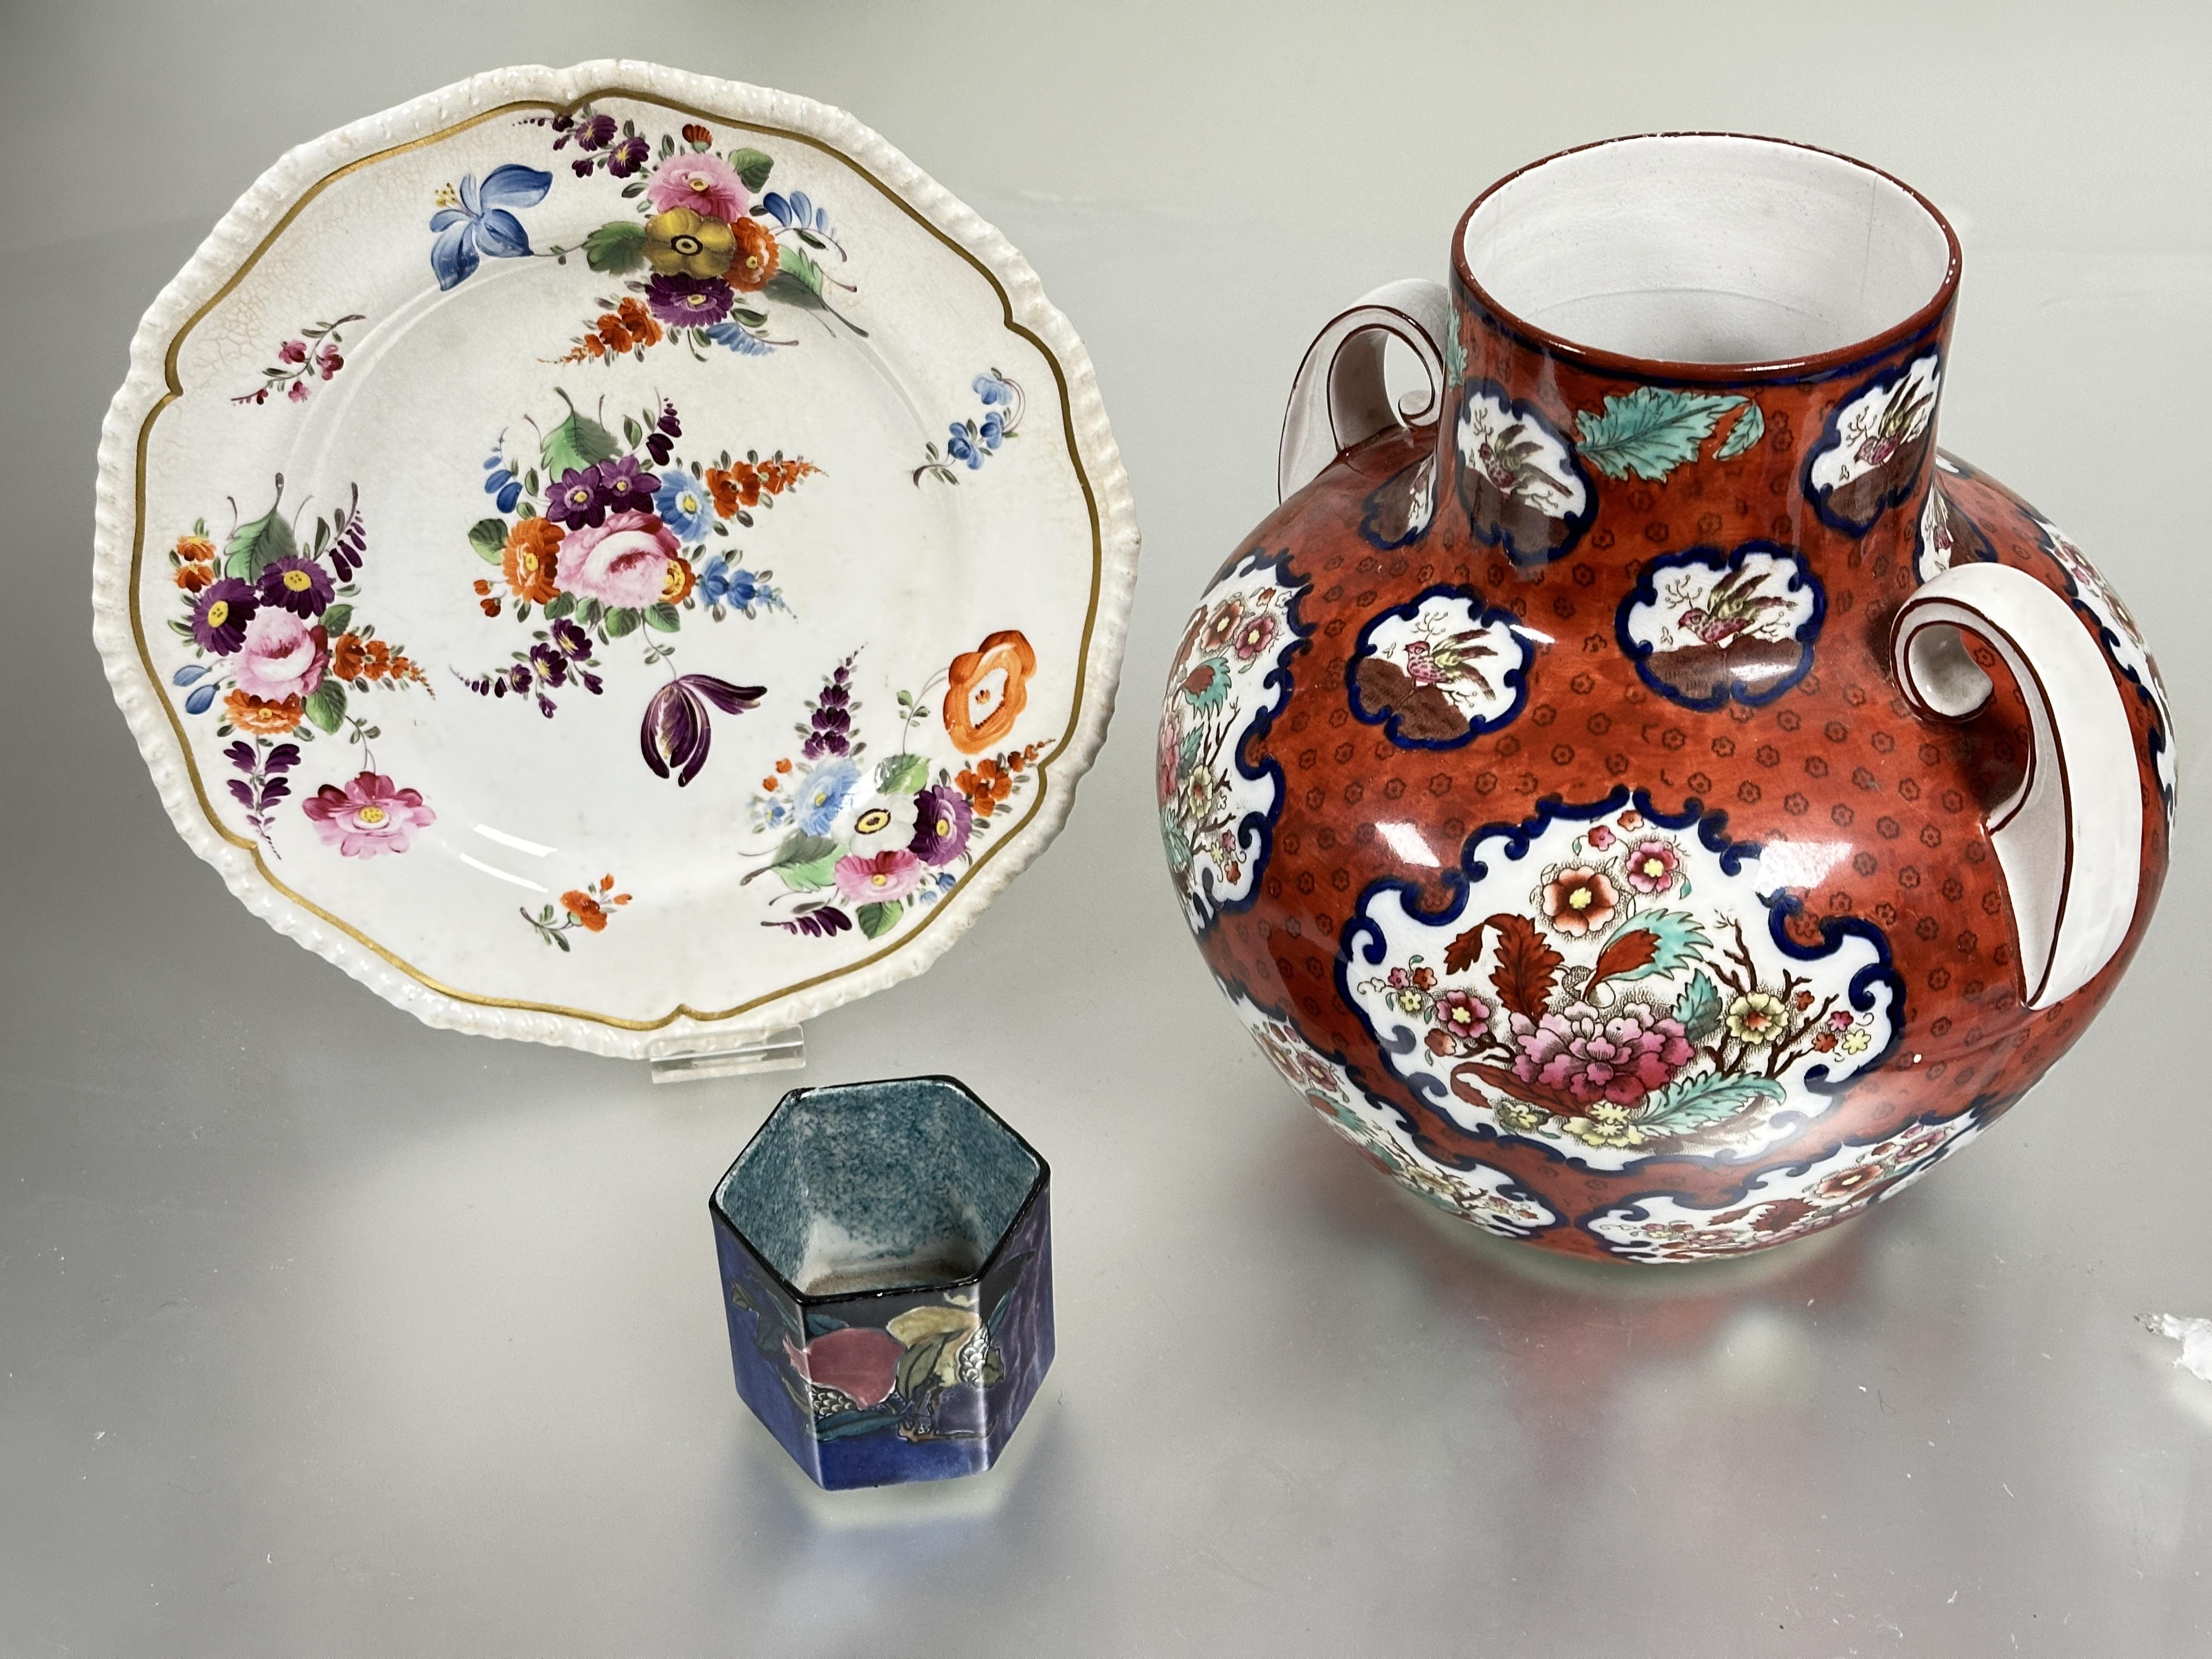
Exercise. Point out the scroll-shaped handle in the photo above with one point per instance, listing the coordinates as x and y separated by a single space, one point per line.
2069 839
1338 399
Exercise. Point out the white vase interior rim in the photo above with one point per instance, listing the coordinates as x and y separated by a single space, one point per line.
1708 248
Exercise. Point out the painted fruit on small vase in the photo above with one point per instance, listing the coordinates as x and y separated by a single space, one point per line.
1645 794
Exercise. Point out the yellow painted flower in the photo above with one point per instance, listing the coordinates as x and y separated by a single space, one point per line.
681 242
1758 1019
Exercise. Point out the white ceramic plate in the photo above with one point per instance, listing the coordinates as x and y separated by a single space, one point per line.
583 551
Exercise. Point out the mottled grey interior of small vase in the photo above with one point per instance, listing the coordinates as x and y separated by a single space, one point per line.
1702 247
873 1185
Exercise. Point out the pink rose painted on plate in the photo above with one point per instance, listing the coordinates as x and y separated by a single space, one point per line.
281 656
623 563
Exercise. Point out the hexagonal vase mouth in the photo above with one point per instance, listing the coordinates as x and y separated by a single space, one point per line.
879 1188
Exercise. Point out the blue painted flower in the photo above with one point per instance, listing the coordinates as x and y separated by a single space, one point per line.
500 482
481 222
972 443
824 794
684 506
723 583
993 390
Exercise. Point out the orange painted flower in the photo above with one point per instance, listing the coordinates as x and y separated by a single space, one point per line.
250 713
194 577
348 652
585 910
678 587
638 321
195 550
778 475
612 335
756 256
531 559
695 134
733 487
986 690
985 785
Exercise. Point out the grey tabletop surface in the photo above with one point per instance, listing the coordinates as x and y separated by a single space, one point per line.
324 1331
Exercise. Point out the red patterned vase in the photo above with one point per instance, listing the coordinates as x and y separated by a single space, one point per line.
1648 798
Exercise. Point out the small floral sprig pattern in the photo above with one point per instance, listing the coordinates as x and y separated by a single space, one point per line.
1478 1192
865 844
971 442
589 908
601 539
312 355
1783 1204
276 644
707 254
1217 689
1620 1006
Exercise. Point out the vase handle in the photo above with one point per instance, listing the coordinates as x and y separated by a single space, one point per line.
2069 839
1338 399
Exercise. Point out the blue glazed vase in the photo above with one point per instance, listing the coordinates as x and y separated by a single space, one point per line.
886 1261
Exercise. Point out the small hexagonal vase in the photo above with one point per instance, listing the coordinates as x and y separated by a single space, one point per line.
886 1267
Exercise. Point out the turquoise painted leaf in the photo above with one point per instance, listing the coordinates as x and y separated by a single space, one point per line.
1699 1009
1650 432
1689 1103
1750 426
1683 943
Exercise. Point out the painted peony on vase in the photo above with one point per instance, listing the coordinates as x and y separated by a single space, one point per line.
1645 794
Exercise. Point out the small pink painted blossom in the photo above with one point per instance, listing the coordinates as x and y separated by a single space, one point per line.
700 180
281 656
621 562
878 877
1462 1013
292 351
298 394
368 817
1652 866
1601 837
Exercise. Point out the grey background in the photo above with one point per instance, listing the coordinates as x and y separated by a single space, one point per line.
322 1331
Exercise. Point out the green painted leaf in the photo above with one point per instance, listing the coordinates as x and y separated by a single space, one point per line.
327 705
578 442
489 537
810 878
559 606
255 546
615 246
877 920
903 774
663 617
1650 431
1699 1009
1683 943
798 280
1688 1103
917 1366
753 166
335 619
1750 426
622 620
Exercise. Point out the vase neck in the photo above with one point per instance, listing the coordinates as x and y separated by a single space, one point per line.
1736 339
